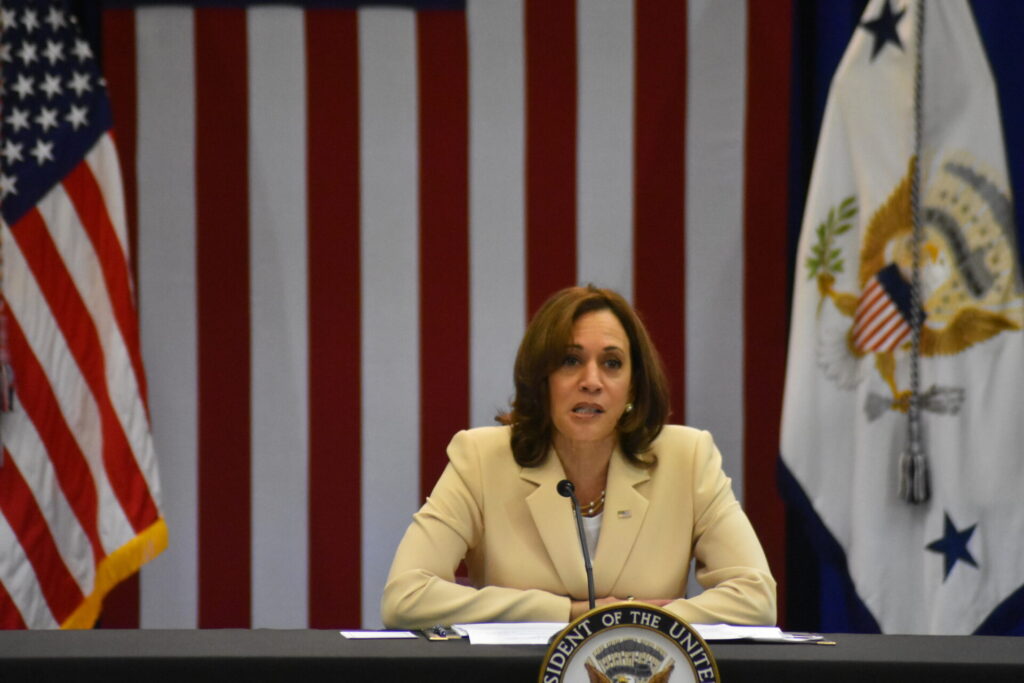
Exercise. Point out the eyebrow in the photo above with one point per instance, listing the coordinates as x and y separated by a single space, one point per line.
607 348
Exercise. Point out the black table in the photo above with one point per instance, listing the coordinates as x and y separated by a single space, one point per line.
273 655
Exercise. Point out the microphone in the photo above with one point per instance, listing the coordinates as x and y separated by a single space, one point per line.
567 490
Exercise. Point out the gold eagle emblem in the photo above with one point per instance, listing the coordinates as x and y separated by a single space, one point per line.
970 282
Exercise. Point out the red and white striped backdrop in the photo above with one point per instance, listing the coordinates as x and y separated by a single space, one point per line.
344 218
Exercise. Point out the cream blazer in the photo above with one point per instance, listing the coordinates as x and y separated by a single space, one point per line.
519 541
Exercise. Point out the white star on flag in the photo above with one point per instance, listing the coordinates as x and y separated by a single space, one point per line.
54 52
55 18
82 50
51 86
18 120
7 185
79 83
76 117
30 20
47 118
24 86
12 152
28 53
43 151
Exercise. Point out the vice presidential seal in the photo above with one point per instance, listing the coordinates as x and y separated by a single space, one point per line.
628 643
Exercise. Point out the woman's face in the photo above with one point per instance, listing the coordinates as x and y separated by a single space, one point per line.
590 390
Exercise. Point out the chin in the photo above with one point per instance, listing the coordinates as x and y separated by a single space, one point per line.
589 435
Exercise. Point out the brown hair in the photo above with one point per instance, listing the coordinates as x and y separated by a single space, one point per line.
541 352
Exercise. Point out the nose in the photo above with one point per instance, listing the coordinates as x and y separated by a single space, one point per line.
590 381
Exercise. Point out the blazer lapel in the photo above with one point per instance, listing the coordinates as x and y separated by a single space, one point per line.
552 515
624 512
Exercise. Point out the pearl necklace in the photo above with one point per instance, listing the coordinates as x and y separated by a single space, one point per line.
593 507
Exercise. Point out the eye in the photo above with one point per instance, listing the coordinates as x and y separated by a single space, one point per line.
614 363
571 360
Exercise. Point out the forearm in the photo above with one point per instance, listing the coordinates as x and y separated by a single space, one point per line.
747 599
418 599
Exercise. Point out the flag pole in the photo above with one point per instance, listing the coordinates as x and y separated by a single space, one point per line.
913 486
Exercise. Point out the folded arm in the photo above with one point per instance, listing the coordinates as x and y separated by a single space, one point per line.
730 563
421 589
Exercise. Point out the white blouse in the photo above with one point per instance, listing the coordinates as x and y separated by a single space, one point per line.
592 529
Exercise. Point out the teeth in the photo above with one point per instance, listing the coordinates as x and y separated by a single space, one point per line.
589 410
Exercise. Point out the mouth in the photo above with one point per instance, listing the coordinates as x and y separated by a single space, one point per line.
587 409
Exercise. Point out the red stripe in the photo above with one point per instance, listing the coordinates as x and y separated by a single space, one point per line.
119 68
121 606
867 305
886 342
876 319
658 180
769 36
550 148
19 508
222 262
10 616
444 235
864 337
36 398
905 331
87 197
83 340
867 319
335 415
870 294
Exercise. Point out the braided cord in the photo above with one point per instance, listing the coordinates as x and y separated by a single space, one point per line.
914 463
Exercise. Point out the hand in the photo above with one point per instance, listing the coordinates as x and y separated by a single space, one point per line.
657 602
581 606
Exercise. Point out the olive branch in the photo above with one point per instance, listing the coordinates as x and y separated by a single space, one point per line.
825 256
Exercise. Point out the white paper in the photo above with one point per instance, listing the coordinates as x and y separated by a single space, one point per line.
377 635
764 634
523 633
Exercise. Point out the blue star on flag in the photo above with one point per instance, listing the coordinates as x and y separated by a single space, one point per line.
883 28
953 545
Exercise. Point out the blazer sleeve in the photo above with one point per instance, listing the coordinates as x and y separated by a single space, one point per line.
421 590
730 563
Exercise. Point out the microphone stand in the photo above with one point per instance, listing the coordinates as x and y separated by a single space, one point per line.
566 489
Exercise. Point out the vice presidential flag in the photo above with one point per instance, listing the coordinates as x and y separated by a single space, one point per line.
79 492
911 119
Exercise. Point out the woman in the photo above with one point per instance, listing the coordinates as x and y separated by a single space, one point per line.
590 406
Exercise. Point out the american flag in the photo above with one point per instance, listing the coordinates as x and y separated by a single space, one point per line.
79 491
346 215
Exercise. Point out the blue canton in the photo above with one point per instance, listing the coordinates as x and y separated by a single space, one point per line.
54 105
